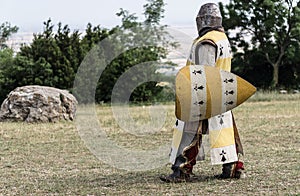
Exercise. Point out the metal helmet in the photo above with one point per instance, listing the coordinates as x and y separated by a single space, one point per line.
209 16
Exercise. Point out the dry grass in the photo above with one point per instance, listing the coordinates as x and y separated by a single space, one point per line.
51 159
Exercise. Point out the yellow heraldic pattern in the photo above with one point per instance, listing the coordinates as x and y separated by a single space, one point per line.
205 91
221 136
222 143
212 93
224 56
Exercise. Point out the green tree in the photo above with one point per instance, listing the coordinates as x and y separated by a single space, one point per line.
51 59
94 35
6 56
273 25
94 57
154 12
6 61
143 42
6 30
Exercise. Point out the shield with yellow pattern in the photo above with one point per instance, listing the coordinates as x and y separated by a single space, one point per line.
205 91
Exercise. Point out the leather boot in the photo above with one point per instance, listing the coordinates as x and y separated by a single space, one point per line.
176 177
231 170
226 171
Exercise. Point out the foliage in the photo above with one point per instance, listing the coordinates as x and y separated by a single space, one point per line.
6 60
54 56
273 28
6 30
6 57
137 43
50 60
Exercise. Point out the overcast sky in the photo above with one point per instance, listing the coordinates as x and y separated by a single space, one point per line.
29 15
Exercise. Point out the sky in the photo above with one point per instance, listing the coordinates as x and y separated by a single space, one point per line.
29 15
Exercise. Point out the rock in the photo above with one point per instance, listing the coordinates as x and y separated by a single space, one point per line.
38 104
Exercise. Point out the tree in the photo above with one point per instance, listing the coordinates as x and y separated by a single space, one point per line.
6 61
51 59
143 42
6 56
6 30
154 11
273 25
94 58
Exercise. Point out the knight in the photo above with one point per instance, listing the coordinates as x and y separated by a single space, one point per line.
210 48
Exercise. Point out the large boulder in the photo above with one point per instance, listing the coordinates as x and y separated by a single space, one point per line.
38 104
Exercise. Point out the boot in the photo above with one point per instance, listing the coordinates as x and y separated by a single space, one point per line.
231 170
226 171
177 176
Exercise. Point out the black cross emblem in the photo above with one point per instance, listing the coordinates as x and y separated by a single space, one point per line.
199 103
223 156
221 119
221 50
229 92
198 87
229 103
229 80
197 72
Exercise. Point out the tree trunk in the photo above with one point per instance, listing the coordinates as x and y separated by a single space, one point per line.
275 66
275 75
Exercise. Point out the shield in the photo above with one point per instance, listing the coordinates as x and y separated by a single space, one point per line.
205 91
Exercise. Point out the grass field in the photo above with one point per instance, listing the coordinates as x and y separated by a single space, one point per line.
51 159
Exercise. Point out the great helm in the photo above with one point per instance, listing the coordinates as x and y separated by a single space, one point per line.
209 16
